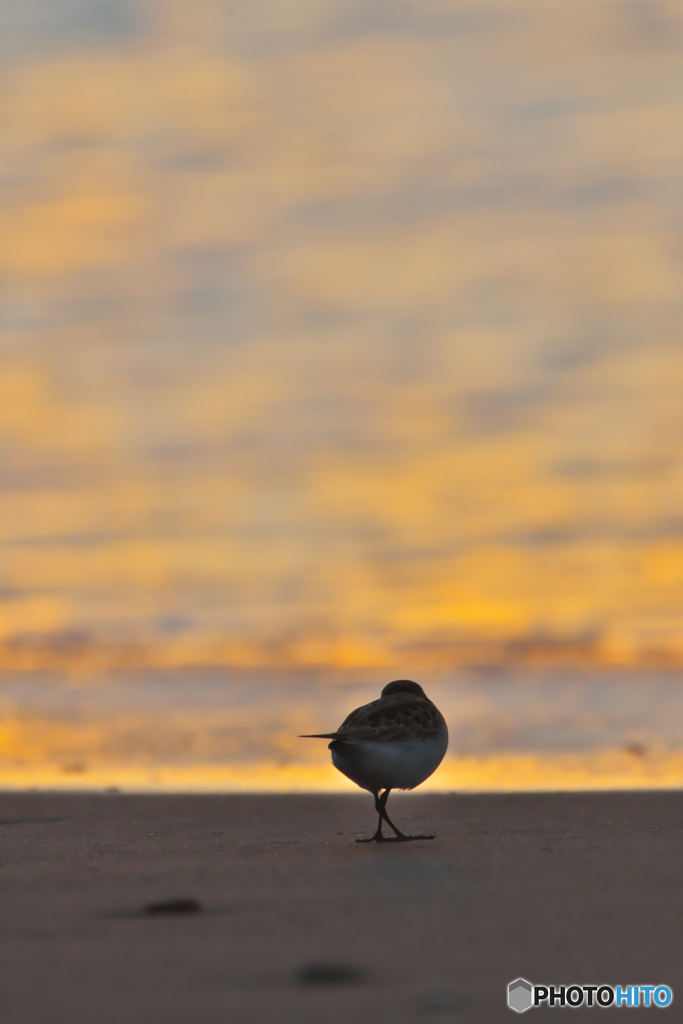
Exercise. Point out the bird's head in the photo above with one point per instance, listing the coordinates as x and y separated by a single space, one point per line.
404 686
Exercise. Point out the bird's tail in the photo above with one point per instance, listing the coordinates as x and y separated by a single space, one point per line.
363 734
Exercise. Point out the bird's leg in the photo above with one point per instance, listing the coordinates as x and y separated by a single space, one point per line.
383 814
380 807
400 837
378 837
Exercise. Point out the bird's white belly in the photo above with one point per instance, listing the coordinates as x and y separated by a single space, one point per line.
374 766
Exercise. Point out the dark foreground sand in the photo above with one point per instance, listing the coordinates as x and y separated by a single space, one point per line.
561 888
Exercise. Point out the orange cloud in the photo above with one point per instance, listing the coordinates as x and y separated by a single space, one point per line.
354 343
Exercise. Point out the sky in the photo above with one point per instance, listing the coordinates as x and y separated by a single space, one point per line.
338 341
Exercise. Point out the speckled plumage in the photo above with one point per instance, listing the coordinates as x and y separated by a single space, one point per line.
396 718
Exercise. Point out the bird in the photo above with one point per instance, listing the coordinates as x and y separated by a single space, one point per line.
395 742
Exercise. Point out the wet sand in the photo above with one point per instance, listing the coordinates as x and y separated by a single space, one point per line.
563 888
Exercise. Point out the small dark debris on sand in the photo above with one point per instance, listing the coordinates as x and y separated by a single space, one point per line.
182 906
329 974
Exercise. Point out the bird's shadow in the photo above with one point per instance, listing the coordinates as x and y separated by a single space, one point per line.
394 839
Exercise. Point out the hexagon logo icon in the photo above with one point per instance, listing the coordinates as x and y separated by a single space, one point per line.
520 995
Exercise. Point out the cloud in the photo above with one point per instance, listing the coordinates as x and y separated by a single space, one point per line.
336 338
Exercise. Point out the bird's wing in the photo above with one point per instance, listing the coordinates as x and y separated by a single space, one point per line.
389 720
349 726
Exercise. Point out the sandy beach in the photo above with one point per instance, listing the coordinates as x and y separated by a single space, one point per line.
300 924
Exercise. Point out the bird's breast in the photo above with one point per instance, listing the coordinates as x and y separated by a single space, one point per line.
375 765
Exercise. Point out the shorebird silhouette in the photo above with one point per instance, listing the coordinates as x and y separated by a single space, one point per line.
395 742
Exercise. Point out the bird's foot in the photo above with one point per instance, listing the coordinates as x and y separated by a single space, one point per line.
379 838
